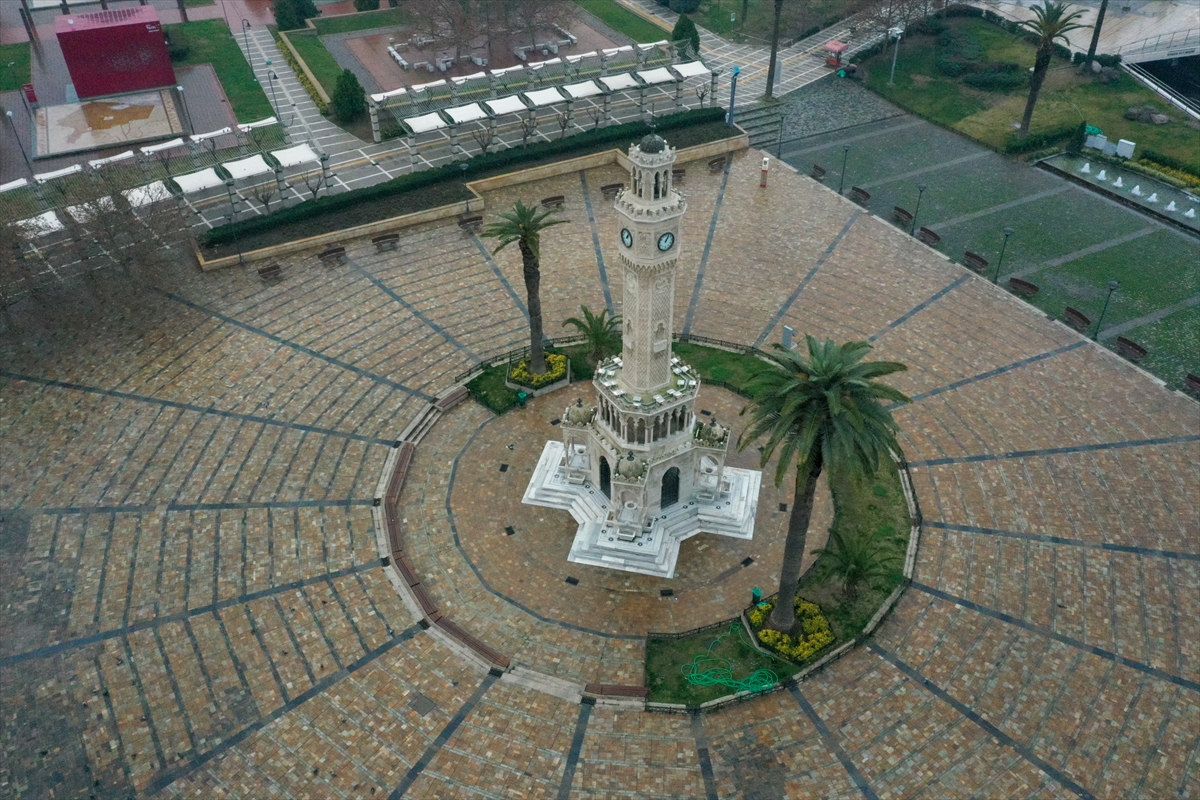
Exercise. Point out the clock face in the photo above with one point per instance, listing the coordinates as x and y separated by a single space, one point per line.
666 241
626 237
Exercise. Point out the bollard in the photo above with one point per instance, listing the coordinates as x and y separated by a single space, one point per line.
521 398
755 596
766 165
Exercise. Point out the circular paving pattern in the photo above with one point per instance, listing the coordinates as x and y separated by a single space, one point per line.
194 605
529 566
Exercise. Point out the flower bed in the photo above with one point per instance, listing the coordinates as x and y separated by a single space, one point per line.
817 633
556 370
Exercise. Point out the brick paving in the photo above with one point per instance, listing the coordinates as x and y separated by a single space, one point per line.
194 605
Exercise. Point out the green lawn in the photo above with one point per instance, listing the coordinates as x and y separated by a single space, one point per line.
211 43
760 17
345 23
735 369
1173 344
14 77
198 3
323 65
862 506
621 19
721 657
989 116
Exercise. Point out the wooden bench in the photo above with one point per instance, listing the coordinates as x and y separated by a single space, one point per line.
451 400
334 255
406 569
1191 385
271 273
615 690
1023 288
818 173
716 165
678 176
926 236
553 202
860 195
902 215
388 241
428 607
611 190
470 224
493 657
1076 319
1130 349
975 262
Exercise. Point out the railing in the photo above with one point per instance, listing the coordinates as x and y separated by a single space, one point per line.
1164 41
510 356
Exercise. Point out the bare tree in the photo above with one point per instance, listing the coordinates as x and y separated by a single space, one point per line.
531 17
17 277
313 181
457 23
882 16
528 129
484 137
264 193
597 114
563 121
701 93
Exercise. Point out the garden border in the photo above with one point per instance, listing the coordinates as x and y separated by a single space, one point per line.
910 562
740 141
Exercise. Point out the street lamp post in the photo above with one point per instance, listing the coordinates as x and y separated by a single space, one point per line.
246 38
237 245
845 153
16 136
733 76
271 78
1112 287
187 116
895 33
920 192
1007 233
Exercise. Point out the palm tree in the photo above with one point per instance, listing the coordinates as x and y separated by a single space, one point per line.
820 410
774 50
600 330
855 559
1051 22
524 225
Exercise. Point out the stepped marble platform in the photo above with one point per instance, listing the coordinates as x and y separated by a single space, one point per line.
656 550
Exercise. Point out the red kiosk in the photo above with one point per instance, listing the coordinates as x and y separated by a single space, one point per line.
115 51
833 53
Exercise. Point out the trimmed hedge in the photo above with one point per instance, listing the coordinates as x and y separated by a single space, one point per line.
495 162
1037 141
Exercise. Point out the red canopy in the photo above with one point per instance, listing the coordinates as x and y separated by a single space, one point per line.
837 47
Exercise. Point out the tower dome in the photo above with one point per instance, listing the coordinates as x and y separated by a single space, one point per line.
652 143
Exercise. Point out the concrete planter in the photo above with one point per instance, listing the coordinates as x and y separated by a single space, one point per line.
529 390
474 205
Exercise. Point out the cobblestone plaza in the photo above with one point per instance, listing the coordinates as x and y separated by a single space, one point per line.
193 602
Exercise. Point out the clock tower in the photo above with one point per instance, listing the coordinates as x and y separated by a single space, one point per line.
638 471
648 214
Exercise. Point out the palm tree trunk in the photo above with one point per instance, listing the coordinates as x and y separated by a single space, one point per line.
1040 67
1091 55
533 283
774 50
783 617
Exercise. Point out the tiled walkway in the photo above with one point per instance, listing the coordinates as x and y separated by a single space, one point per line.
193 604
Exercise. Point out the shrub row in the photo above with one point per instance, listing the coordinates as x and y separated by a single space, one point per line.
1037 141
1169 161
300 76
993 79
492 162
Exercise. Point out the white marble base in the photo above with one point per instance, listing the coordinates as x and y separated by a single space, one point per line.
656 549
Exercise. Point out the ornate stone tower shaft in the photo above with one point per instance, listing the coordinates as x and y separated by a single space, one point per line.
649 213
